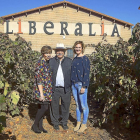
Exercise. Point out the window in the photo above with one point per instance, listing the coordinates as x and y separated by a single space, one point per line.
70 52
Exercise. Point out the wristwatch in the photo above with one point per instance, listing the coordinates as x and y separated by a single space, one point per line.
84 86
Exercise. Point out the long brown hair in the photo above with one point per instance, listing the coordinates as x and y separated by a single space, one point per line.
79 42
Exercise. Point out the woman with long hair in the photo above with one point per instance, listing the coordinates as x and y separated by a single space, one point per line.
80 82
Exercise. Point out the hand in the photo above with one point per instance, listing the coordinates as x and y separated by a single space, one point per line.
42 98
82 90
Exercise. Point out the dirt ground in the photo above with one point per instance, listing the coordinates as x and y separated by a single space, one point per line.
19 127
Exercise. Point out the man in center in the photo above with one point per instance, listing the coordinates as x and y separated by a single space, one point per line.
61 82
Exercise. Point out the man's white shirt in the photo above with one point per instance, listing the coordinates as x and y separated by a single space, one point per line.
59 76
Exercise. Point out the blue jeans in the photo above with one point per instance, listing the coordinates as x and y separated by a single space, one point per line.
81 102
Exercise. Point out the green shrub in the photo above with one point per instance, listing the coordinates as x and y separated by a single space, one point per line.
114 80
17 63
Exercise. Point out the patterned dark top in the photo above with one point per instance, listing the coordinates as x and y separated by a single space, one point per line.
43 76
80 70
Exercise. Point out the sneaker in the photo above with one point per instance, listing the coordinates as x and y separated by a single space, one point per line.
56 127
65 127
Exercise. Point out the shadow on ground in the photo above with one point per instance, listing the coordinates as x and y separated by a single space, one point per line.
7 137
32 110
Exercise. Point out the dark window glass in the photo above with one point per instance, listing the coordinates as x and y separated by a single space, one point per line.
70 53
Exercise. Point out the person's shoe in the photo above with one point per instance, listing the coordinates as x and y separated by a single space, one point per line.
44 131
56 127
65 127
35 129
41 127
82 128
77 126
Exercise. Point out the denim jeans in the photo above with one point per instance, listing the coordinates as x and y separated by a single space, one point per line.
81 102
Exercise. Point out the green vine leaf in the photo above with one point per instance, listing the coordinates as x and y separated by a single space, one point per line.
1 84
2 114
15 112
15 97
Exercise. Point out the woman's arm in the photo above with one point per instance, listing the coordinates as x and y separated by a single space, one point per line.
86 71
38 76
86 67
40 87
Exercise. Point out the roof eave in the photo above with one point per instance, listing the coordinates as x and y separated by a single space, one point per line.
72 4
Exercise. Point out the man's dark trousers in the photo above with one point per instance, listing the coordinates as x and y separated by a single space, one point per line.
65 104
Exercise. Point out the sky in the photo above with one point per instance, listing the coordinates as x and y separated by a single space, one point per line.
126 10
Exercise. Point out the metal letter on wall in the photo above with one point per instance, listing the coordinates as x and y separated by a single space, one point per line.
90 30
7 28
64 28
32 27
115 30
19 27
78 31
45 26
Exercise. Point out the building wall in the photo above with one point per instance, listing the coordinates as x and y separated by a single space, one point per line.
69 15
1 28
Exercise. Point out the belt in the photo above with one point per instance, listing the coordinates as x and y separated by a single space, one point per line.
59 87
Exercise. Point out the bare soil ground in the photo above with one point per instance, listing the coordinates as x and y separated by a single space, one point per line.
19 127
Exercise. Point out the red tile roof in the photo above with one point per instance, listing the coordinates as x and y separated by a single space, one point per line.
66 3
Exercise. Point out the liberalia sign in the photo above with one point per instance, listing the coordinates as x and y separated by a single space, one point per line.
62 28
